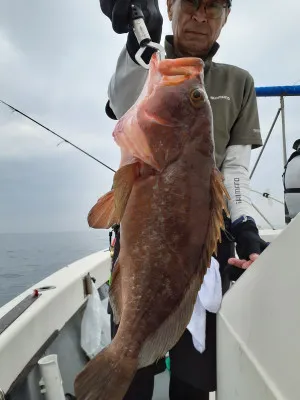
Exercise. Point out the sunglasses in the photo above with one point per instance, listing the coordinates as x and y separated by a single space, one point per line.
213 9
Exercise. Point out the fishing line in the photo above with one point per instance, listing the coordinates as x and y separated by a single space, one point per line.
56 134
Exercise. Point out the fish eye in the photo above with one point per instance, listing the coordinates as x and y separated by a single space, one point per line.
197 97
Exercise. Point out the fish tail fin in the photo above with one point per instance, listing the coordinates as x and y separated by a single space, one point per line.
107 376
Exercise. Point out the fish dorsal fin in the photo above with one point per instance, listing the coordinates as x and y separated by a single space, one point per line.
219 195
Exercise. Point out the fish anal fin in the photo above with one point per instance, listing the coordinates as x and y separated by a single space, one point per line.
115 292
168 334
219 195
103 213
123 181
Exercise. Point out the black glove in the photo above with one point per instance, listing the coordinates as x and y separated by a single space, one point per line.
247 239
248 242
119 12
233 273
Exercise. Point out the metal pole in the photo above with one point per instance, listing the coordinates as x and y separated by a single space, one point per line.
268 222
283 130
266 141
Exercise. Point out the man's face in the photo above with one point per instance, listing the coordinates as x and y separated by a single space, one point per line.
195 29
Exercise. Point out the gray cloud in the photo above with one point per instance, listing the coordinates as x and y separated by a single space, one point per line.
56 61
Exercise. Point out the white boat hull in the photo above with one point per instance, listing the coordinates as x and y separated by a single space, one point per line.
51 325
259 326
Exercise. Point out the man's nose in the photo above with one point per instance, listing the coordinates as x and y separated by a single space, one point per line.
199 15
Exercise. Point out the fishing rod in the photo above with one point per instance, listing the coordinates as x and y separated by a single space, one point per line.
267 195
56 134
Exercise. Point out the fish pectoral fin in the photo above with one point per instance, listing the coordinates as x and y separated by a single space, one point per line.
115 293
219 195
110 208
123 181
103 213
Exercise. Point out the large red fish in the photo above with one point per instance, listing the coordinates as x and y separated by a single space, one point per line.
168 196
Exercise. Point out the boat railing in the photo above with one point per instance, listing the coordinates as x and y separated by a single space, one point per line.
281 92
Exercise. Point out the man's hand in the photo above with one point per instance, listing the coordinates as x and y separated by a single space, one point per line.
243 264
119 12
249 246
236 267
248 241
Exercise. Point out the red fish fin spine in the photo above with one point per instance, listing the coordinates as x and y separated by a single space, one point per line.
219 196
107 376
103 213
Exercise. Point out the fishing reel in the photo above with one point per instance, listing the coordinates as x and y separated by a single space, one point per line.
112 242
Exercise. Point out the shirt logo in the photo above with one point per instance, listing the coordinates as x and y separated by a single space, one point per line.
220 98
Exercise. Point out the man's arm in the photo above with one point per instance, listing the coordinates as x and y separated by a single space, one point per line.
129 78
236 174
126 84
235 169
245 134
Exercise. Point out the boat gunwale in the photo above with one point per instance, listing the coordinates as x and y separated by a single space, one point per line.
41 319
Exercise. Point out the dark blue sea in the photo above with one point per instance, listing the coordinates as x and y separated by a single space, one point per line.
27 258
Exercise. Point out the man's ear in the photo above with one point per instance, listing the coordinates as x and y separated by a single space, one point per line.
227 14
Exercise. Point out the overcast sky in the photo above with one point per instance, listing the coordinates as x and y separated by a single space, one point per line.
56 59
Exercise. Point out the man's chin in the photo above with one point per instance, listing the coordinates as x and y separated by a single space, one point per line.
193 49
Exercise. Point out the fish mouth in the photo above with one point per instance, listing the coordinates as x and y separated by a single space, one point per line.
174 80
177 71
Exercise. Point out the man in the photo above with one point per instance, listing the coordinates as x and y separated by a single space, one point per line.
196 27
291 184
